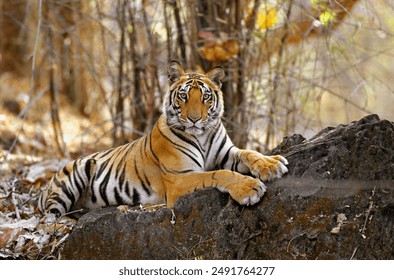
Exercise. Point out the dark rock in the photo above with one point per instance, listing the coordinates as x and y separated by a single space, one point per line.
363 149
331 206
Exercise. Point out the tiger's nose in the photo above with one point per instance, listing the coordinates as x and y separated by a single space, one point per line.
194 118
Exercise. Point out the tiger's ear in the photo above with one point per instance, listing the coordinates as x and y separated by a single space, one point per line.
175 71
216 75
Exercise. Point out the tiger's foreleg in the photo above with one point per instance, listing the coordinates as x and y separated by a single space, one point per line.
243 189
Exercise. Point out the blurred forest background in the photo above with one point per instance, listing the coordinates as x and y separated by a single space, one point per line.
78 76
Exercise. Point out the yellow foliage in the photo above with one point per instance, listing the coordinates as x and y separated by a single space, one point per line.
266 18
326 17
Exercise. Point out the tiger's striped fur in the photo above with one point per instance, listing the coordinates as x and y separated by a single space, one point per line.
187 149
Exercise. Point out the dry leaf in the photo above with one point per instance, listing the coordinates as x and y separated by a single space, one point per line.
8 235
30 224
341 219
220 50
335 230
123 208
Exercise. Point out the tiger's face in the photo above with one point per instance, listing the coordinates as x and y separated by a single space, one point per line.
194 102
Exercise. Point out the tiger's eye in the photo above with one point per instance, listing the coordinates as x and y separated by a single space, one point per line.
206 96
182 95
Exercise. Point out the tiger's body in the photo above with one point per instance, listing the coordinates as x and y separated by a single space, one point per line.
187 149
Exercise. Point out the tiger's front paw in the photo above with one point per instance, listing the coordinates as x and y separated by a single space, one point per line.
248 192
266 168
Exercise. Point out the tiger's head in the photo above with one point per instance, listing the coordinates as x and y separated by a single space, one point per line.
194 101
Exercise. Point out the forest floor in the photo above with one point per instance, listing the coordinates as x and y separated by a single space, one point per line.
29 157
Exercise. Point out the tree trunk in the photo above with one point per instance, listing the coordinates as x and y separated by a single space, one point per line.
13 37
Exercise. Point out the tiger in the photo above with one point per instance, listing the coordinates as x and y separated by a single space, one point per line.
187 149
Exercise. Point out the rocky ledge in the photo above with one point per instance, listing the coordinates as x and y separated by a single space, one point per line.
337 202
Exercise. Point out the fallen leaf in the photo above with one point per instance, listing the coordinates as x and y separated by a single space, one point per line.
341 219
335 230
30 224
123 208
8 235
